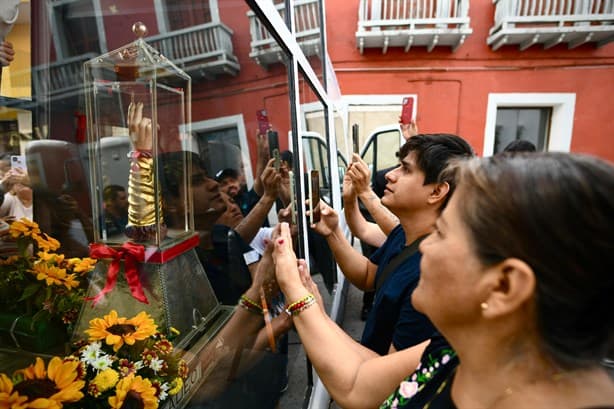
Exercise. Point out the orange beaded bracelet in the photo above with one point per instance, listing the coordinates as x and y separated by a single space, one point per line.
301 305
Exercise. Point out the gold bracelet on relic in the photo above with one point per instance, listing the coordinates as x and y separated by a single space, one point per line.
142 224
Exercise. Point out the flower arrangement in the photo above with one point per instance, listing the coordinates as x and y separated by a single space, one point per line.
126 363
39 282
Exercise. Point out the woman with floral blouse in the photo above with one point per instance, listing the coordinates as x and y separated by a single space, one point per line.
517 277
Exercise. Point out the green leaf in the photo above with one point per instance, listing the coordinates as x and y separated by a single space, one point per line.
29 291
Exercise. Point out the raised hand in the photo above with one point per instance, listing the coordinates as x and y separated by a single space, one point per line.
271 180
329 220
139 127
360 175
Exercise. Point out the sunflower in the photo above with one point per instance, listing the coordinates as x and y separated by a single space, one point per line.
52 387
54 275
117 331
46 242
134 391
84 265
50 257
23 227
8 398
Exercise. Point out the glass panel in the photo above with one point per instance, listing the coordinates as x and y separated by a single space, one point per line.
316 151
530 124
232 79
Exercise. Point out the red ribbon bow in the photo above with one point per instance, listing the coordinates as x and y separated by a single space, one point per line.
131 254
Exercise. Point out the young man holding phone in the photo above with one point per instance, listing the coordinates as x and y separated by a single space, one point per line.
416 192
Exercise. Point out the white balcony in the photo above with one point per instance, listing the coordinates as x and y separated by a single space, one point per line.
551 22
203 51
264 48
410 23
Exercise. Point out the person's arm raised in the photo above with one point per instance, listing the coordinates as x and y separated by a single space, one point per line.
262 152
360 175
249 226
360 227
354 379
356 267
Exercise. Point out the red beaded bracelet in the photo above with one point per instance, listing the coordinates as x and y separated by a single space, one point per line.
250 305
301 305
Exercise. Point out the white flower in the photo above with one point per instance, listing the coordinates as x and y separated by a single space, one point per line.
395 403
431 369
90 353
163 391
423 370
102 362
156 364
445 359
138 365
413 377
436 364
408 389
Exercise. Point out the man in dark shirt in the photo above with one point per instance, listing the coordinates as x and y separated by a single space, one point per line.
416 192
115 209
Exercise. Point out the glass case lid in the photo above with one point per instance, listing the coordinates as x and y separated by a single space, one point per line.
134 61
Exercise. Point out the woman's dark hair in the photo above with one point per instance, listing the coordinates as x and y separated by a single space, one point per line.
555 212
433 153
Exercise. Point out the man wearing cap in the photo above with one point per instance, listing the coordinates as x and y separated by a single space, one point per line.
230 183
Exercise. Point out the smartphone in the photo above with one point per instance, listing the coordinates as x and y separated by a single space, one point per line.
407 112
274 148
263 121
292 197
314 197
355 141
18 162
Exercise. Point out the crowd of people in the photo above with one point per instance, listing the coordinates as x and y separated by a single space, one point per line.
491 276
483 295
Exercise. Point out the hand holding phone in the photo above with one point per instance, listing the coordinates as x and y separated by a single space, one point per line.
263 121
407 112
314 197
18 162
274 148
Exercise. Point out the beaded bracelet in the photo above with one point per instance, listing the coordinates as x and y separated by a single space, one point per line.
301 305
250 305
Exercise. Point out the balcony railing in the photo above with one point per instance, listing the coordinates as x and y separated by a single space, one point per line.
202 51
264 48
551 22
60 77
409 23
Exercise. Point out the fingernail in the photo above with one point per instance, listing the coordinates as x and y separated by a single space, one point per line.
280 241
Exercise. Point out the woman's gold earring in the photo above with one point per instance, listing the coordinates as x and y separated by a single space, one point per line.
484 306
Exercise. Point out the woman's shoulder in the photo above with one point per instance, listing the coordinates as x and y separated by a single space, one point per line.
429 382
